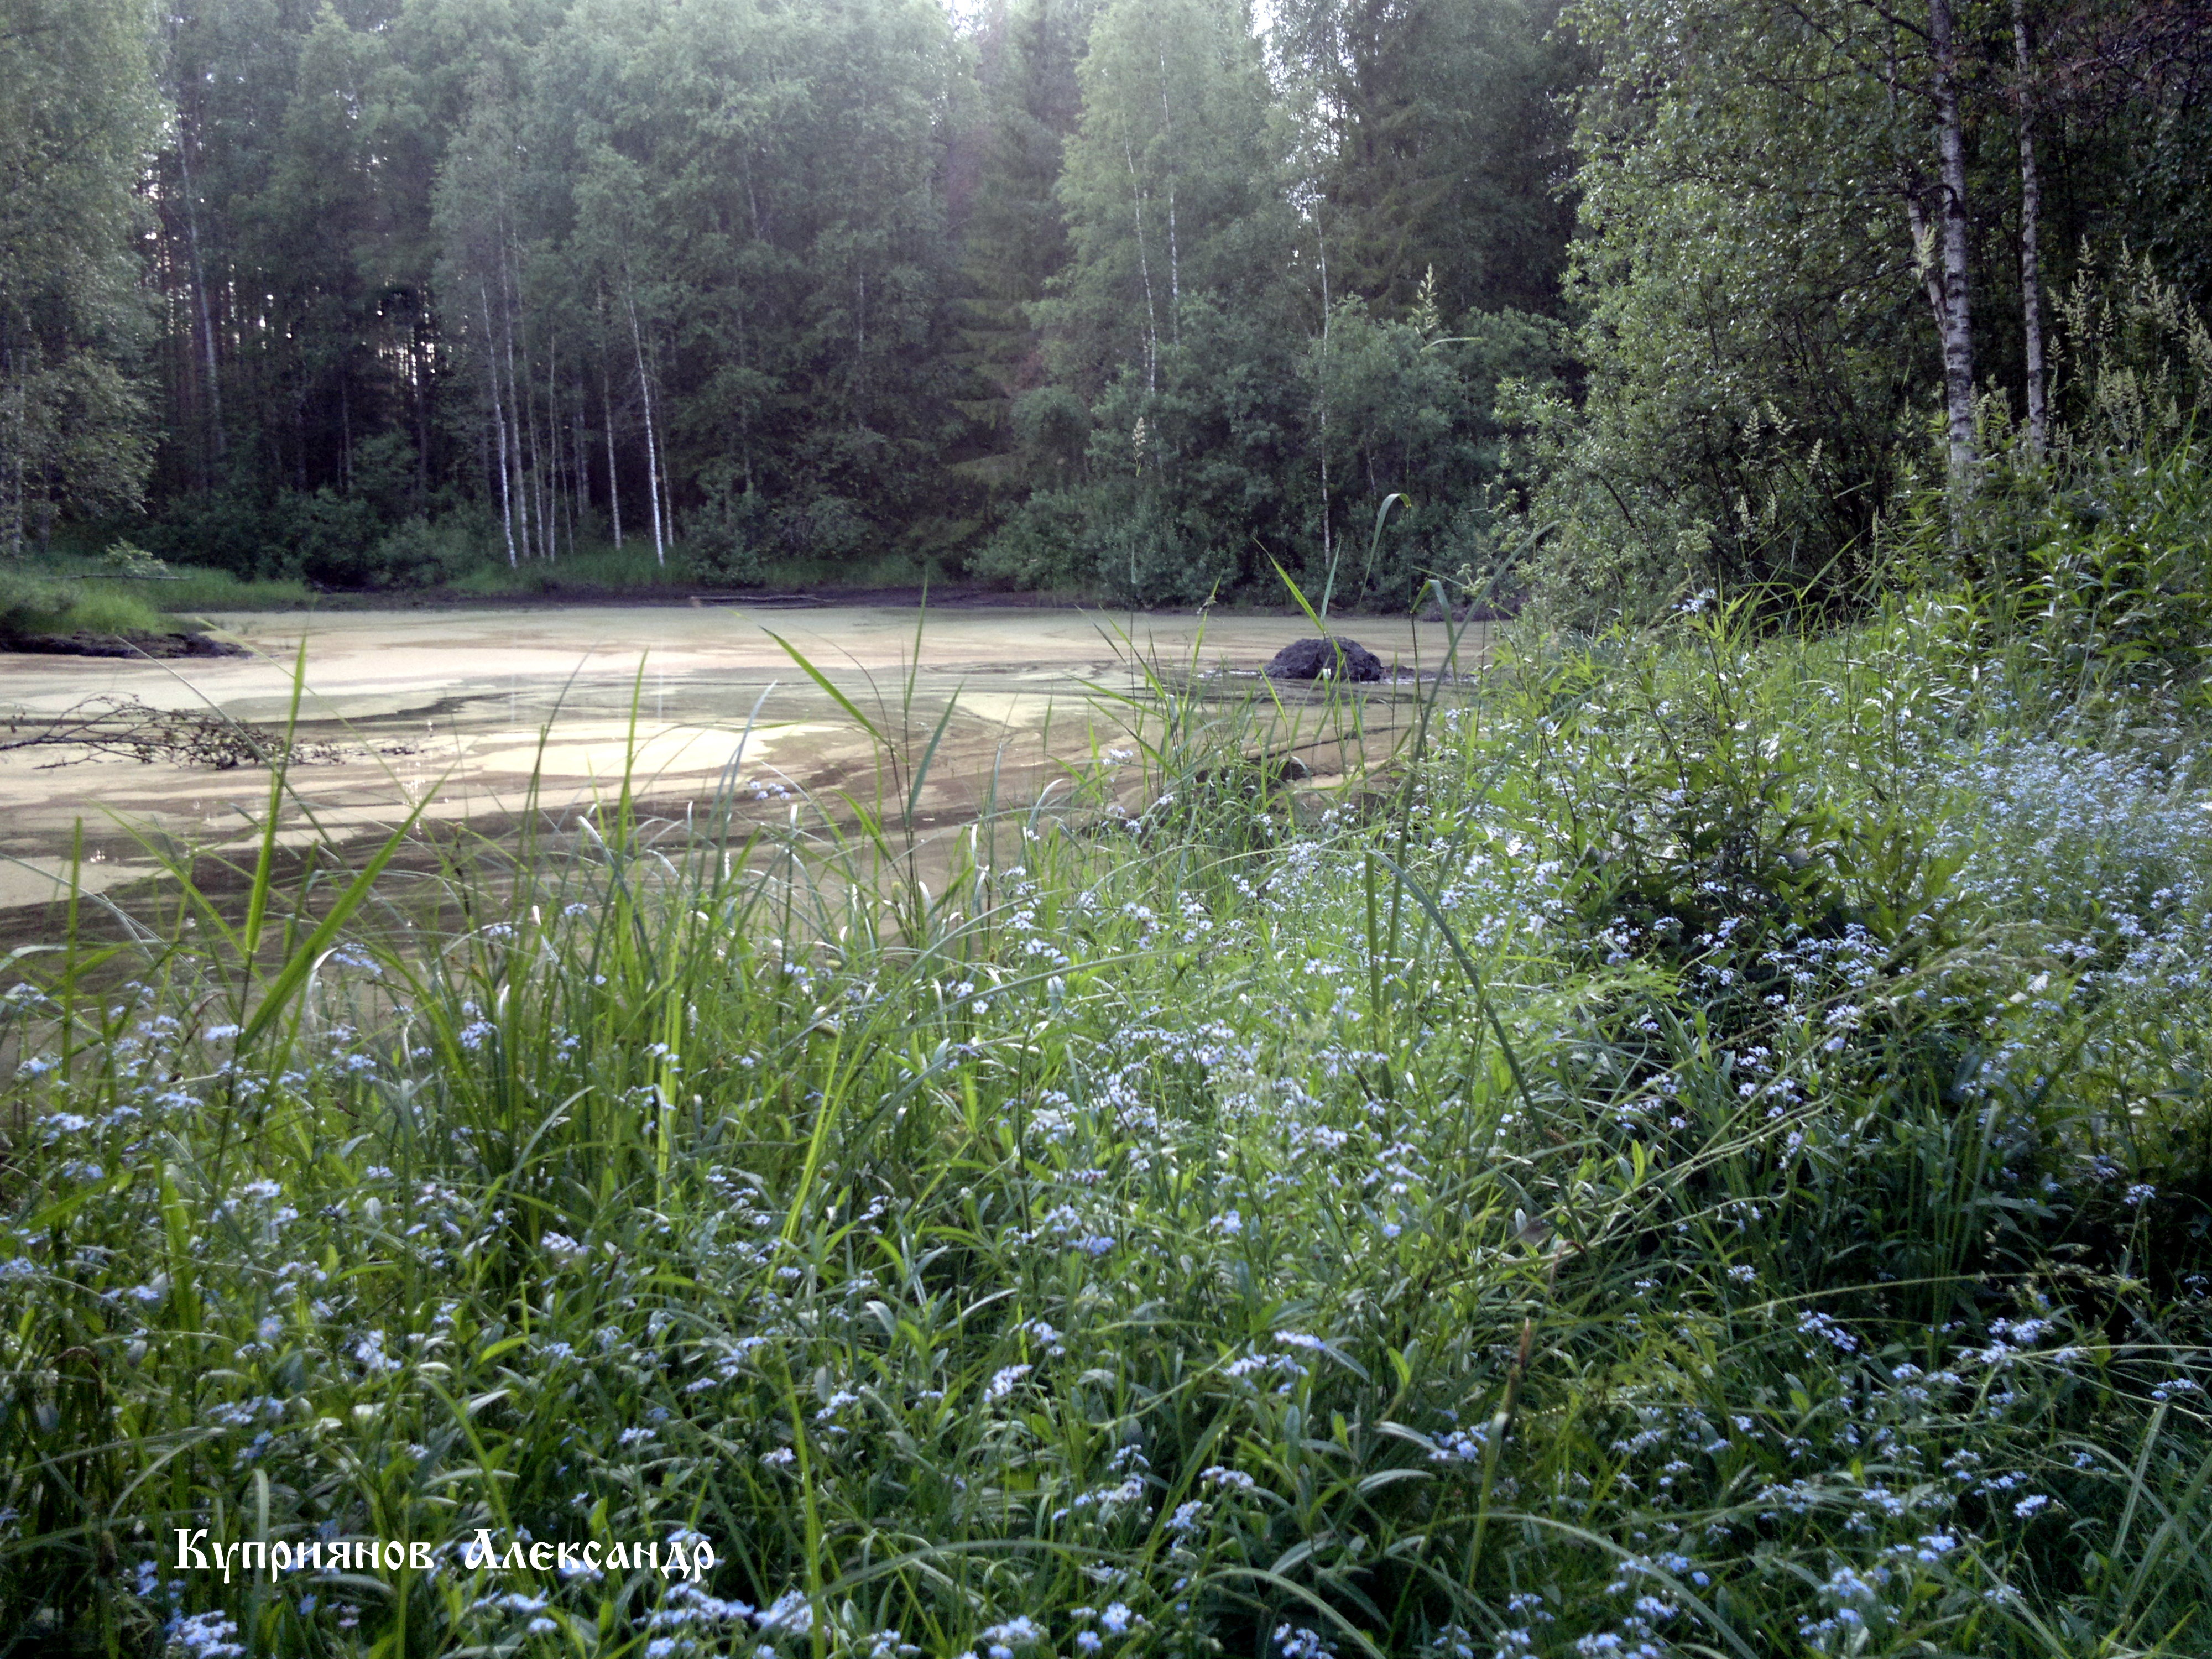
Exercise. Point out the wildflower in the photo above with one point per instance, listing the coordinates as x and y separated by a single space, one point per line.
1000 1640
1819 1324
1002 1384
207 1636
792 1614
369 1351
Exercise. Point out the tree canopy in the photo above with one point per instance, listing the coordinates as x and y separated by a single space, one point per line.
1125 295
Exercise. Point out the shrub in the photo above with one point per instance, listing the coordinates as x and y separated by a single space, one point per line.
1041 543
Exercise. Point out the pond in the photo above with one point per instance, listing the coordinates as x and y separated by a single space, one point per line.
467 712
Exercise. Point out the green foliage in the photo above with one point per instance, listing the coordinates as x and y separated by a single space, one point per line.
1172 189
1013 240
2123 581
189 588
1248 1215
1760 363
2094 555
1202 477
1750 336
77 114
1443 132
1042 544
34 602
95 611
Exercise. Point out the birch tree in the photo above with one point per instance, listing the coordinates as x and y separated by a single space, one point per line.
1174 185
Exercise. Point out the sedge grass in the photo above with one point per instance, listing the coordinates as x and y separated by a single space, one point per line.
1659 1173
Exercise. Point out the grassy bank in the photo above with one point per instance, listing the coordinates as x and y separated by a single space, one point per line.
75 591
67 594
1706 1154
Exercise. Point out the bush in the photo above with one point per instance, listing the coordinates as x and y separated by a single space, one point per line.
1137 548
421 554
329 539
2121 579
224 532
1041 543
733 534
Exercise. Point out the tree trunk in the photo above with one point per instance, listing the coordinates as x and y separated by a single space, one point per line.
518 493
1321 390
614 487
651 450
199 295
2031 222
11 452
539 471
422 359
1144 270
1953 321
499 428
579 501
1174 261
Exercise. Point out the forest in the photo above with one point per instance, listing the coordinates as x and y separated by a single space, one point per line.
1671 1121
1138 299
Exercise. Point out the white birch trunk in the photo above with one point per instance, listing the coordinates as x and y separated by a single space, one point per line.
1954 321
1175 261
1144 270
499 429
614 487
2030 225
520 495
652 446
199 294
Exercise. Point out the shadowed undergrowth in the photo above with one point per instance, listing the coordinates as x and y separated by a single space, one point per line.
1710 1158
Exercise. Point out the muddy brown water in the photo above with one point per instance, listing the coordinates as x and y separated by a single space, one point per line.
465 712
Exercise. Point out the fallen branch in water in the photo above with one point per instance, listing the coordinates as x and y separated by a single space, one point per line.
117 727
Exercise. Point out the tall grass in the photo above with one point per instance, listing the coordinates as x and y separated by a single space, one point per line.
1704 1153
188 589
35 604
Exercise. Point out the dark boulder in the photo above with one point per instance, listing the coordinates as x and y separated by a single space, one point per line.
1333 658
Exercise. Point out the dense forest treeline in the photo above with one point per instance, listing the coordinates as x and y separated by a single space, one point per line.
1133 296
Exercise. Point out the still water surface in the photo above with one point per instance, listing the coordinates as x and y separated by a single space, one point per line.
462 707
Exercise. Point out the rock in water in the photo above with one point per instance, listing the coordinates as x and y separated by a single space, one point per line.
1333 658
